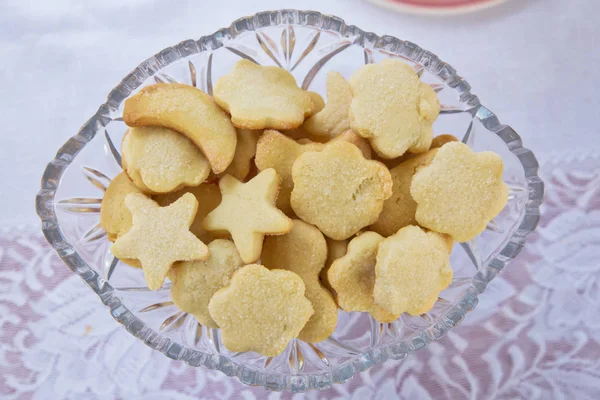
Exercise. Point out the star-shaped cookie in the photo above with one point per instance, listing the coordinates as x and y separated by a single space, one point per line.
248 212
159 236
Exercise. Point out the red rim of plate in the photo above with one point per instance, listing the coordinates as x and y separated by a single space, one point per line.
439 7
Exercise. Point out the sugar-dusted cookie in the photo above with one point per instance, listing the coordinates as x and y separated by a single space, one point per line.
260 97
159 236
248 212
399 210
437 142
333 119
352 276
318 102
335 250
115 217
161 160
208 196
244 153
195 282
393 108
412 268
261 310
441 140
189 111
277 151
338 190
303 251
460 191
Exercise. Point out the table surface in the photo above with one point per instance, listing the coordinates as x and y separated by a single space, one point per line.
533 62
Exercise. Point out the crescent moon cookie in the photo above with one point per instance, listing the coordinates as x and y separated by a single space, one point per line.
460 192
393 108
159 236
160 160
248 212
352 276
303 251
333 119
261 310
195 282
411 270
189 111
260 97
338 190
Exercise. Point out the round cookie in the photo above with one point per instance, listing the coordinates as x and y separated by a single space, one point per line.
303 251
338 190
161 160
208 196
261 310
189 111
460 192
260 97
412 268
195 282
392 108
115 217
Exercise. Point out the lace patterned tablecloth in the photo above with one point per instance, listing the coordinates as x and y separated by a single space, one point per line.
534 335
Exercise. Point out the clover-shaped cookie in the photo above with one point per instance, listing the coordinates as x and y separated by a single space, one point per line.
338 190
303 251
460 191
352 276
393 108
159 236
189 111
248 212
277 151
195 282
260 97
333 119
208 196
115 217
412 268
161 160
399 210
261 310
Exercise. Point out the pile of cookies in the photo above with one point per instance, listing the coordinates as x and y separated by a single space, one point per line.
268 208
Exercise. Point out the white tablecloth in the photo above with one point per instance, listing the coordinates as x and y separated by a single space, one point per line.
533 62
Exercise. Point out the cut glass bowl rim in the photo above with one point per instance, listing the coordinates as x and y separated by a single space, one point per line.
45 205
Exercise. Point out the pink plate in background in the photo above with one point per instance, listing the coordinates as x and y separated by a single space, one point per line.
439 7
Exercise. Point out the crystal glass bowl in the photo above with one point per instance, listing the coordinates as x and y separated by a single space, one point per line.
308 44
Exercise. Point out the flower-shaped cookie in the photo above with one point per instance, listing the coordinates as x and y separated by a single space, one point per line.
260 97
261 310
189 111
160 236
338 190
399 210
393 108
248 212
352 276
412 268
460 191
303 251
115 217
161 160
195 282
333 120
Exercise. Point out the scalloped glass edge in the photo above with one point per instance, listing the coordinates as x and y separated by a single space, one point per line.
249 376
